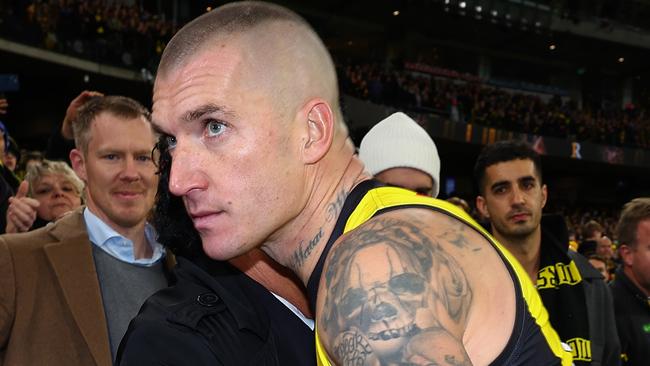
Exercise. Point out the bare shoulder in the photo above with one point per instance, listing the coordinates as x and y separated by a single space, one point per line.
395 291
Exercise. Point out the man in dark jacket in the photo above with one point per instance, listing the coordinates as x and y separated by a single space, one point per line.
512 196
631 288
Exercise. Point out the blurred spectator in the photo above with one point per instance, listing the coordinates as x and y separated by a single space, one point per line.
592 231
573 242
6 173
399 152
27 159
631 287
3 105
460 203
12 156
600 264
50 190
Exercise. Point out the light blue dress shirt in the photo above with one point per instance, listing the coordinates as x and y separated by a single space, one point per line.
116 245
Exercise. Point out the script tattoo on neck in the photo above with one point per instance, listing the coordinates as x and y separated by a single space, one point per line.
334 208
300 255
399 292
304 251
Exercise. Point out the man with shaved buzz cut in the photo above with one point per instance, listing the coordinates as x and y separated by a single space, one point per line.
247 99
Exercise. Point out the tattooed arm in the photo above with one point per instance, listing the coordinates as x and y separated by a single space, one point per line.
394 296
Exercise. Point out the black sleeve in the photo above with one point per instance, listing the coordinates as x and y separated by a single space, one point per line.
149 343
612 351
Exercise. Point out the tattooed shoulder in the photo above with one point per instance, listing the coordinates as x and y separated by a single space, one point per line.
389 284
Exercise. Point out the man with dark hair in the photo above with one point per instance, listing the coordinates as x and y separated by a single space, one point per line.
511 197
631 286
247 99
69 290
592 230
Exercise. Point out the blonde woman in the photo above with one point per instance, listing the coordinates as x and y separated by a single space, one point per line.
50 190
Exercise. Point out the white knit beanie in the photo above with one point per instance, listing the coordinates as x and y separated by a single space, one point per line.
399 142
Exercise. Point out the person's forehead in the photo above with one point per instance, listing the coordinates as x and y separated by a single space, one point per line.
209 77
108 129
511 170
53 177
406 174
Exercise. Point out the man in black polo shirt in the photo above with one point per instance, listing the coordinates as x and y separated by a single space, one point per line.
631 288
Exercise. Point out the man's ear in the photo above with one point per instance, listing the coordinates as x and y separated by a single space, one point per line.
481 206
544 195
626 254
320 130
78 164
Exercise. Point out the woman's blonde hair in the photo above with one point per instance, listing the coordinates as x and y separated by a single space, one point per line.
36 171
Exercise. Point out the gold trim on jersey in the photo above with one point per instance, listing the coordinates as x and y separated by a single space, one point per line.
387 197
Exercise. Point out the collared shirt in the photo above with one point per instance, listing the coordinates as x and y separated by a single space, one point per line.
116 245
308 322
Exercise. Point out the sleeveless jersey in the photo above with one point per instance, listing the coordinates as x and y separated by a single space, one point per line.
533 341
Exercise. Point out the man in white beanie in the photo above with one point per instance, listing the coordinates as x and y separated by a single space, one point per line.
398 152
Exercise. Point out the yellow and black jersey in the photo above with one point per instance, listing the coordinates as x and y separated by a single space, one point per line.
533 340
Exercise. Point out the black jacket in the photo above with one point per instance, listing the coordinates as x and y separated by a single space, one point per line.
605 346
632 319
215 315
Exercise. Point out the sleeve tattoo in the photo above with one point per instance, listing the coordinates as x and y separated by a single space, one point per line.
393 296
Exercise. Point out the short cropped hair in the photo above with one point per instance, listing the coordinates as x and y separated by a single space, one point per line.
229 19
590 228
118 106
36 172
504 151
633 213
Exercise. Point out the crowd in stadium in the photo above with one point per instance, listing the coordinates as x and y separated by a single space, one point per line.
114 32
133 190
479 102
131 36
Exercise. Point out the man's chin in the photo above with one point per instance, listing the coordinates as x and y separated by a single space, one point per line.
521 232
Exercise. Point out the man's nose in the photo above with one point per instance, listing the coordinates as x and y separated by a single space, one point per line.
185 173
518 196
130 170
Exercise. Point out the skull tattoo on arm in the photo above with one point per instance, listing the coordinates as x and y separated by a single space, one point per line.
395 297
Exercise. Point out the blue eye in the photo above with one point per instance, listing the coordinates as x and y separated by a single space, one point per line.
214 128
171 142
